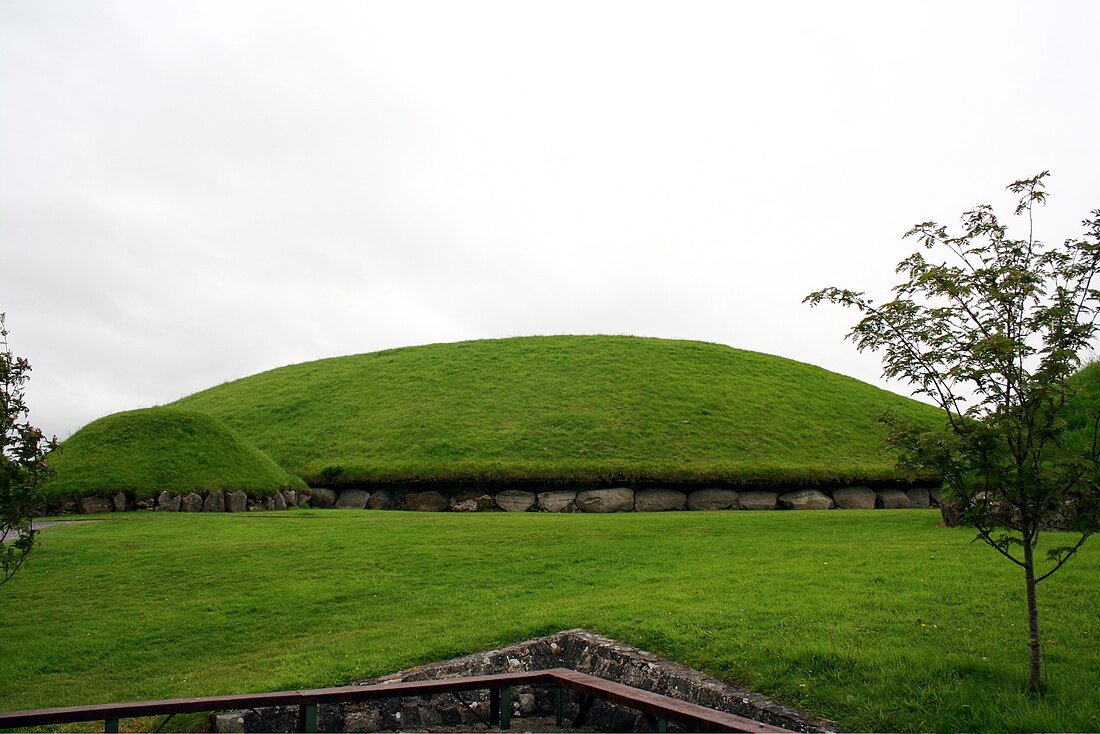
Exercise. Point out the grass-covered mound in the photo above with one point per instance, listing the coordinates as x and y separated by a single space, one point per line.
146 451
581 408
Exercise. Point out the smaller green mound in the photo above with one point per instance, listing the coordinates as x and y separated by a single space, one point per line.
154 449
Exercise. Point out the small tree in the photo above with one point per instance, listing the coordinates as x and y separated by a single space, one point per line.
22 461
993 334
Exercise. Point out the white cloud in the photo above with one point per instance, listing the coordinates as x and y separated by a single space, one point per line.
195 191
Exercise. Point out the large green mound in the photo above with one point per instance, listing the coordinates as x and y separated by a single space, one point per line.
564 408
146 451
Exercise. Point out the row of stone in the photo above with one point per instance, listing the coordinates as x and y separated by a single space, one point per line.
624 499
619 499
239 501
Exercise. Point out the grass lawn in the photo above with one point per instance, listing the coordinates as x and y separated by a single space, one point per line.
875 620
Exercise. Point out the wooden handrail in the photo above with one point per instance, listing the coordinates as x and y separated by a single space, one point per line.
657 707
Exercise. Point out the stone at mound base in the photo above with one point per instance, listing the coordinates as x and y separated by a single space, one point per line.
214 502
323 497
620 499
515 500
757 500
712 499
381 500
120 502
92 505
558 500
935 497
236 501
659 500
918 497
806 499
472 502
425 501
191 503
290 497
279 501
168 502
352 499
855 498
892 499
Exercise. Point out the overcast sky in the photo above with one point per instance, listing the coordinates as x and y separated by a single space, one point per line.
192 192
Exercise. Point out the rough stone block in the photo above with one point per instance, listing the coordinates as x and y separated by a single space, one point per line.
659 500
806 499
556 501
92 505
892 499
757 500
168 502
352 499
236 501
619 499
712 499
323 497
918 497
472 502
515 500
191 502
381 500
214 502
425 501
855 498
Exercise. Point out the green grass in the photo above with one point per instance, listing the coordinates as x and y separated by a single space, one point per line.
146 451
875 620
562 408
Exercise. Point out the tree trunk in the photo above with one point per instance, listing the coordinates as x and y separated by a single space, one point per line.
1034 679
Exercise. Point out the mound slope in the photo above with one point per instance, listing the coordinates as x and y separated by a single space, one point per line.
153 449
566 408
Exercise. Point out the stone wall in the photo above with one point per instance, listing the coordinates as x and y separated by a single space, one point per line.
575 649
603 500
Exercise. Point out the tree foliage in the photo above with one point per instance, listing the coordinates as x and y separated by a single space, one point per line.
992 328
22 461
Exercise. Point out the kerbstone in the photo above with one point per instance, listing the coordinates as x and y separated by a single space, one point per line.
806 499
236 501
323 497
618 499
381 500
559 500
757 500
168 502
425 501
659 500
855 498
918 497
892 499
191 502
214 502
472 502
712 499
515 500
92 505
351 499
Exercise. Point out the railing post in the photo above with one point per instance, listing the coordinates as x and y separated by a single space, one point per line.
559 719
307 717
494 704
505 708
110 726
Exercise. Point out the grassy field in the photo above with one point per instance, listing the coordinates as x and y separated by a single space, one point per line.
575 408
146 451
875 620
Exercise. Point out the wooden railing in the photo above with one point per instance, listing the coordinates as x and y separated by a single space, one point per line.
657 709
